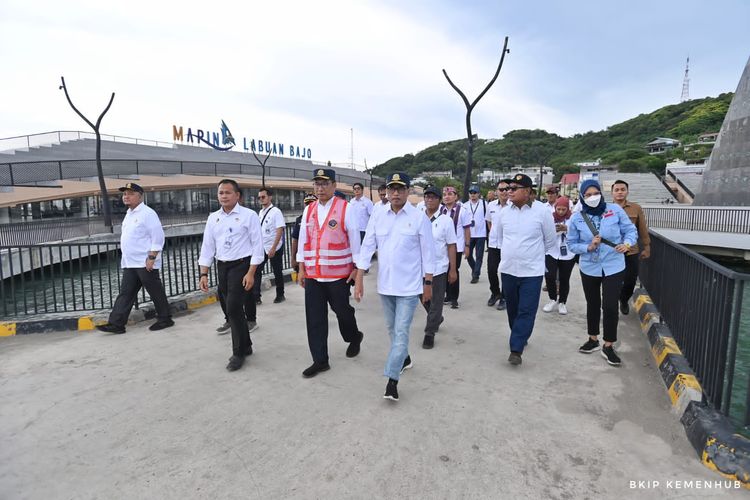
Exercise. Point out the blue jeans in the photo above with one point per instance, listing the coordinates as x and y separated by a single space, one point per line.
522 300
399 311
476 262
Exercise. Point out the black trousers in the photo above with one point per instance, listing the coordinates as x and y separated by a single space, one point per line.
602 294
452 289
493 262
278 273
132 281
318 296
249 306
230 286
565 269
631 276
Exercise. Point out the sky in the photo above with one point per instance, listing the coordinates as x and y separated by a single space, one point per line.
307 73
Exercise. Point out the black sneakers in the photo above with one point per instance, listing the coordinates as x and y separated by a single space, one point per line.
279 299
252 326
235 363
590 346
474 279
454 304
491 301
624 308
515 358
110 328
315 368
161 325
608 353
500 305
428 342
391 391
407 364
224 329
353 348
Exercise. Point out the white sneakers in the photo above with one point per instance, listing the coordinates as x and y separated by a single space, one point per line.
549 306
561 308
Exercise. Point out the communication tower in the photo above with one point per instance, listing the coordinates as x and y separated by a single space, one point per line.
686 83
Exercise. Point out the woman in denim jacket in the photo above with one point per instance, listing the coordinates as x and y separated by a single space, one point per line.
602 263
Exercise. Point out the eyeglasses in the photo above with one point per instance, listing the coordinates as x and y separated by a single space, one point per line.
262 197
502 190
321 184
358 189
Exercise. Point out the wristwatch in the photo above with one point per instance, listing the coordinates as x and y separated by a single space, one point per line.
204 275
152 257
427 282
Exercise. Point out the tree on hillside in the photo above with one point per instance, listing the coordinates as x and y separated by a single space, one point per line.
106 206
469 108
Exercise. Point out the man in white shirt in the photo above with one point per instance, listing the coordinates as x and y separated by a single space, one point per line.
328 243
493 251
362 208
402 236
232 236
444 236
526 232
461 223
382 197
272 225
478 231
141 242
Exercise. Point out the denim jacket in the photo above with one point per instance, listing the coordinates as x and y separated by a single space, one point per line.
615 226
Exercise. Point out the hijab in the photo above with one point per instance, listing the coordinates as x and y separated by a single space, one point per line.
562 201
592 211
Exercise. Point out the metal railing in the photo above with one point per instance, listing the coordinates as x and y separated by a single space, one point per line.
708 312
58 136
64 277
35 172
676 179
690 218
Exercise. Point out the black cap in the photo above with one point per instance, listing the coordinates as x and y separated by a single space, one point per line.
398 179
132 186
433 190
523 180
507 181
326 174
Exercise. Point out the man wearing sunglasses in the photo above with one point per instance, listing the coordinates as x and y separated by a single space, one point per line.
526 232
272 225
493 246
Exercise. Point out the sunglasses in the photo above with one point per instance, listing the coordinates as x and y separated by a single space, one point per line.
502 190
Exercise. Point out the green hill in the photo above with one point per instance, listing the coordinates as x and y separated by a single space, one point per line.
620 144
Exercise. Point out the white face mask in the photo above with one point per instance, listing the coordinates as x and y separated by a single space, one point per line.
593 201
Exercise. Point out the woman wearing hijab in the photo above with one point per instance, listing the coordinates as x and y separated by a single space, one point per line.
601 233
560 260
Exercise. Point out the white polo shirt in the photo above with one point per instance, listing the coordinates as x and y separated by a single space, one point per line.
477 211
525 235
443 235
406 251
464 221
561 241
362 210
271 219
493 212
232 236
141 233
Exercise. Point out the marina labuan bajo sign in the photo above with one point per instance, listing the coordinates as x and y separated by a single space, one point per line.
224 141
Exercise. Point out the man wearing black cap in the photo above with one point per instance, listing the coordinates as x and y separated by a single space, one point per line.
328 242
444 236
525 232
478 230
141 242
402 236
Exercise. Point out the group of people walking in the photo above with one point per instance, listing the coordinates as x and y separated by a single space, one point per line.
419 252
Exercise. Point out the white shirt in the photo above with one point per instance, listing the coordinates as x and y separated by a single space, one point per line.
562 239
478 216
525 235
464 221
443 235
420 206
361 209
141 233
405 248
232 236
271 220
350 224
493 213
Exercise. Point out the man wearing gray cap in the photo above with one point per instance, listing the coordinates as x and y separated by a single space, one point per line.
141 242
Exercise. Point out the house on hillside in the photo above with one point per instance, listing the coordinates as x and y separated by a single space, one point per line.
660 145
709 138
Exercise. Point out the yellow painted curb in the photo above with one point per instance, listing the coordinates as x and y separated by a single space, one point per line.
664 346
7 329
680 384
705 460
640 301
207 301
86 323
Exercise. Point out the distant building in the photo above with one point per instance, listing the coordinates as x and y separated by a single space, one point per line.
708 138
589 164
661 144
490 176
569 185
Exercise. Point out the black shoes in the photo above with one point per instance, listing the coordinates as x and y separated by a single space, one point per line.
249 351
252 326
279 299
224 329
500 305
407 364
315 368
428 342
447 301
454 304
391 390
493 298
235 363
353 348
590 346
608 353
110 328
624 308
161 325
474 279
258 301
515 358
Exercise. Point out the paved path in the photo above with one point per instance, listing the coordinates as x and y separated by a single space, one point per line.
156 415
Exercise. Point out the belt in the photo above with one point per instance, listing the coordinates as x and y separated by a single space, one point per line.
229 262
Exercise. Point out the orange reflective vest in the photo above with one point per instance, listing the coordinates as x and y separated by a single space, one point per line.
327 252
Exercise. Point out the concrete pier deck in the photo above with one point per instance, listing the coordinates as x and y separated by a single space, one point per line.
156 415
